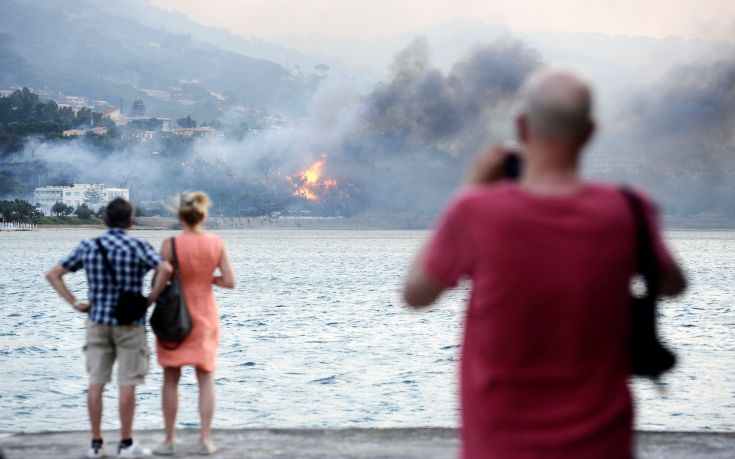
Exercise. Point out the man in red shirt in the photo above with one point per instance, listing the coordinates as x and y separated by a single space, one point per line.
545 369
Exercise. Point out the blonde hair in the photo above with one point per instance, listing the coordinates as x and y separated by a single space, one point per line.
194 207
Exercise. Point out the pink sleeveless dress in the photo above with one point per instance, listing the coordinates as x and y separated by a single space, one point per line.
198 256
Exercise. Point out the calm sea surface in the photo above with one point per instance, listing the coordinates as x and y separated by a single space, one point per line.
315 336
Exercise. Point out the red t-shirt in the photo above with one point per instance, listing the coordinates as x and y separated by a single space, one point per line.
544 370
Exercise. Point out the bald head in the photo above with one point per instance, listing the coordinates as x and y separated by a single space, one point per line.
558 104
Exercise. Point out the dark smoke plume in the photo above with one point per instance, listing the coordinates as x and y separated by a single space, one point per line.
412 143
402 147
685 129
424 105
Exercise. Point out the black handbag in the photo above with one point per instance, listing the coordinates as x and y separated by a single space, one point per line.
649 358
171 321
131 306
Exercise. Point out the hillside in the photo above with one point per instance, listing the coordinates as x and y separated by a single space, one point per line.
145 13
79 48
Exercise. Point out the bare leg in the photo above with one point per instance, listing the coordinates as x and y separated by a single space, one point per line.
170 400
94 405
206 402
127 411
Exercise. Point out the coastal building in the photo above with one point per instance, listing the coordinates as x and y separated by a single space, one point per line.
99 130
95 195
75 102
143 135
197 132
73 132
116 116
158 94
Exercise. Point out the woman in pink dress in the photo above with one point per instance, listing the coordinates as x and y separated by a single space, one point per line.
199 254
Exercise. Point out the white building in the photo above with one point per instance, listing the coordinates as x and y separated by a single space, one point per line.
75 102
94 195
198 132
116 116
158 94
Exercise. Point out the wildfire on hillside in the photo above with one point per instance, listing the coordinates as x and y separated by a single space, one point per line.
310 182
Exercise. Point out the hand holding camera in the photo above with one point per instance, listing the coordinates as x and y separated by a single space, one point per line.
499 162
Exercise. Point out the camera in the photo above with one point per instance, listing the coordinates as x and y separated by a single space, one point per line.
513 166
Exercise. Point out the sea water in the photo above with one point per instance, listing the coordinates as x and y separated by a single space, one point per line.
315 335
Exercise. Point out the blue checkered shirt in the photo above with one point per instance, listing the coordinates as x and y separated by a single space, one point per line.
131 259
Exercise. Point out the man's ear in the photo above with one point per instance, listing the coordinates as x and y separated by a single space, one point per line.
522 129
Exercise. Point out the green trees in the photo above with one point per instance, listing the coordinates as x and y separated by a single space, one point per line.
150 124
23 115
20 114
58 208
186 122
99 120
61 210
23 104
25 212
83 118
138 107
84 212
19 211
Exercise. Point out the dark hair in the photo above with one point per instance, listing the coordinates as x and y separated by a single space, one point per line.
119 213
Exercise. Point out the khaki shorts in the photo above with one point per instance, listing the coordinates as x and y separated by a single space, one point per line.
126 343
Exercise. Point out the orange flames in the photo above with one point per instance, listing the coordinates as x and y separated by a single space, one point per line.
310 183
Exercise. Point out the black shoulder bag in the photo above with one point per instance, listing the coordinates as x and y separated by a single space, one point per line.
131 306
649 358
171 320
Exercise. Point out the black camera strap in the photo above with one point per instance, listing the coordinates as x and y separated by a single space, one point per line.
646 256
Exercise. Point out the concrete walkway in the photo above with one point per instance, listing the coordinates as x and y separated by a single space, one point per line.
425 443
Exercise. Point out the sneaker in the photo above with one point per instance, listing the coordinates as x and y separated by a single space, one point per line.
206 448
134 450
165 449
96 450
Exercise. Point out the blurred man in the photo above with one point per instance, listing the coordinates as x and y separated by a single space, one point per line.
107 340
545 366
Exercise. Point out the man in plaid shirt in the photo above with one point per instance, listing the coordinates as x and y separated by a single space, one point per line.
106 340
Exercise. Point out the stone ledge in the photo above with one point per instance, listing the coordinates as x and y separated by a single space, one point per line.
405 443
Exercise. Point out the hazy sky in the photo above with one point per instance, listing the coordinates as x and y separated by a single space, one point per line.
370 18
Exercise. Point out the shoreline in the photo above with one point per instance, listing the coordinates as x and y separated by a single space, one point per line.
363 222
281 228
347 443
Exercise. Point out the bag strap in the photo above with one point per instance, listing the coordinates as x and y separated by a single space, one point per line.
645 254
174 258
106 260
